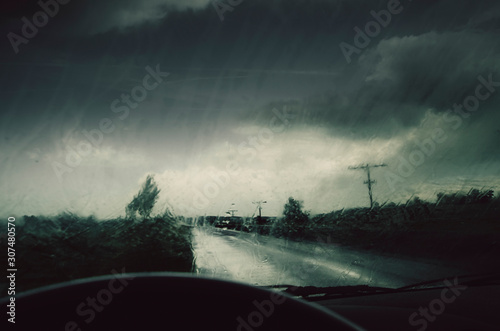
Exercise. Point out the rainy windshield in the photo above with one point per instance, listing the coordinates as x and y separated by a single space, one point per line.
323 143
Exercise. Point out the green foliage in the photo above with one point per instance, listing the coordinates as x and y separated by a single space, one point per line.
144 201
294 221
67 247
157 244
473 196
361 225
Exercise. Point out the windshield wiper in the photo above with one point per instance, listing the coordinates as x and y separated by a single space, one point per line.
469 280
313 293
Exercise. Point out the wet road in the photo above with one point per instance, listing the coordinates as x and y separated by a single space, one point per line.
264 260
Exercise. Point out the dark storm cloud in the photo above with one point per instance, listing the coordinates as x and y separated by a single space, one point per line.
428 57
402 77
399 75
227 76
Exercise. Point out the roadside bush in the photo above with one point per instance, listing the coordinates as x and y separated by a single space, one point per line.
459 198
293 223
61 249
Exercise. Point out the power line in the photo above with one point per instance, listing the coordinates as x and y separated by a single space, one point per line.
369 182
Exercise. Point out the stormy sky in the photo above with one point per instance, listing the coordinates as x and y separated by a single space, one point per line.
239 101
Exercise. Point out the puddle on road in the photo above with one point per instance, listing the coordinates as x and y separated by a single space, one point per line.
261 260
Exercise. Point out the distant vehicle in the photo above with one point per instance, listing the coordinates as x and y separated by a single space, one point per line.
230 223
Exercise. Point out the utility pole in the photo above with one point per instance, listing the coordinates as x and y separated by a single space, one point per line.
369 182
259 206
